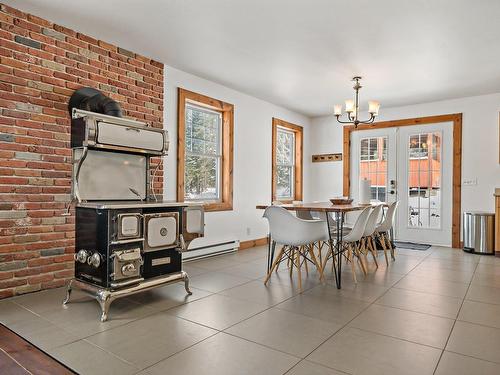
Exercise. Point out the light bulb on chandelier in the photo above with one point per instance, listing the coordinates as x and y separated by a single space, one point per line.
352 108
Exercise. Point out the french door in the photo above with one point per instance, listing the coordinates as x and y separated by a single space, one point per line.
412 164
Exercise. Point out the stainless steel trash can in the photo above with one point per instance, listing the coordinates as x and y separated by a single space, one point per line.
479 232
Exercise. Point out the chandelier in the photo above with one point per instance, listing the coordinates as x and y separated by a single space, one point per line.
352 108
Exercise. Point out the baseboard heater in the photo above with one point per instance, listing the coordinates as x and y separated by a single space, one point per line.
211 250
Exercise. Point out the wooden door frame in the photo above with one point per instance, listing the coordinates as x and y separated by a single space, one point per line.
456 119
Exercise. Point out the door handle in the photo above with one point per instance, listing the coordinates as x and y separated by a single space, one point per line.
392 192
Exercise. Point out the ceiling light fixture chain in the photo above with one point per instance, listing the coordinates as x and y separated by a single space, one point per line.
352 108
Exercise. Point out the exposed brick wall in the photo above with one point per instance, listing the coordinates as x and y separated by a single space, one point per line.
41 65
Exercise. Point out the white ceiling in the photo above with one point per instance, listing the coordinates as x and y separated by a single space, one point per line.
301 54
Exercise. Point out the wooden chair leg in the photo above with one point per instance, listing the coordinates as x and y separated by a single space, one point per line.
315 261
350 257
381 237
305 251
320 248
278 265
275 263
391 248
326 257
371 245
299 275
364 250
292 260
360 257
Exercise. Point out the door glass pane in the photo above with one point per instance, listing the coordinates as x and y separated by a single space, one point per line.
373 165
424 180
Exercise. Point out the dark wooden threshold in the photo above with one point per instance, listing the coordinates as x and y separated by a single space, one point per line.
253 243
18 356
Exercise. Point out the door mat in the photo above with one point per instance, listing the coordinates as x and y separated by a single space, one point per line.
412 245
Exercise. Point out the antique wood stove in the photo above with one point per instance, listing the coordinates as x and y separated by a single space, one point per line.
126 240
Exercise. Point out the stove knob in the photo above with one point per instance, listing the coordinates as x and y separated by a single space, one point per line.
129 269
94 260
81 256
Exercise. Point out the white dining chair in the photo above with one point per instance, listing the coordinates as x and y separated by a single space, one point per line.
296 237
351 243
367 241
383 230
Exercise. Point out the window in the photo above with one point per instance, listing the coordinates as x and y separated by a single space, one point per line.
204 152
287 161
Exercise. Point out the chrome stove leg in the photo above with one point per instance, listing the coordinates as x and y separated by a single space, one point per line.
104 299
68 291
185 277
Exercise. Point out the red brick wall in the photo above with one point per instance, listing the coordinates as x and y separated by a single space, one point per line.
41 65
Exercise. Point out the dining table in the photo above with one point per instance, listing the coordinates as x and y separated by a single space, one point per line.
339 212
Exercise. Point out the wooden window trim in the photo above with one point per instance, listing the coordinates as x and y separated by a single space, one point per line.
456 120
299 146
227 110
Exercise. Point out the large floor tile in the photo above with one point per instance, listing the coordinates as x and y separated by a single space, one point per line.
147 341
167 296
361 291
448 264
484 294
11 313
456 364
49 299
426 303
42 333
283 277
217 281
82 318
224 354
306 367
380 277
403 324
256 291
476 341
192 270
334 308
458 276
255 253
361 352
455 255
480 313
288 332
217 311
486 279
247 270
488 268
88 359
215 263
440 287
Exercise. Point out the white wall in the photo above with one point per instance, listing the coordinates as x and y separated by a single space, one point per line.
252 155
480 142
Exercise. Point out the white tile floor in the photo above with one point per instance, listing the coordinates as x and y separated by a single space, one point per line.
432 312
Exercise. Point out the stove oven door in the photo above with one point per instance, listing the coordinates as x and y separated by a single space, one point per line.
128 226
161 231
